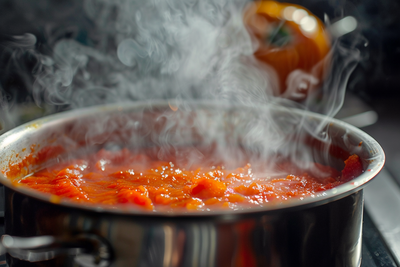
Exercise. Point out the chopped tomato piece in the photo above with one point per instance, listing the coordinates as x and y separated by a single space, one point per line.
133 196
207 188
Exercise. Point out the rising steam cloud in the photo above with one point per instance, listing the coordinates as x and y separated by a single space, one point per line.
182 49
177 49
153 50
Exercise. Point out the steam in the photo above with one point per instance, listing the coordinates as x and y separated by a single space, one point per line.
181 49
153 50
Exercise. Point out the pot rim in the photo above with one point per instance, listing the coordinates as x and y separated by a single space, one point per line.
375 164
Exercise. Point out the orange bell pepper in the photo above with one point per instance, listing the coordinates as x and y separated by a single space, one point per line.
289 38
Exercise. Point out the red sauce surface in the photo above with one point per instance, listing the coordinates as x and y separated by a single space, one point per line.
135 179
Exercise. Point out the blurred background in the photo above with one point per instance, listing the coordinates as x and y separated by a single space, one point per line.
373 92
375 80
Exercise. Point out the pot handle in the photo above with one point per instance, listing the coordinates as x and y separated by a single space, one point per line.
91 250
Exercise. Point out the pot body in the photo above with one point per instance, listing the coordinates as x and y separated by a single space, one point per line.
326 235
320 231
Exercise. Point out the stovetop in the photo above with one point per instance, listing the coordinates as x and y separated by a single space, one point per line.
375 252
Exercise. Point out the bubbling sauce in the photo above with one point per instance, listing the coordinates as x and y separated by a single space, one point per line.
121 178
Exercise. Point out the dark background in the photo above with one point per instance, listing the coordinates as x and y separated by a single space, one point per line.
377 75
375 81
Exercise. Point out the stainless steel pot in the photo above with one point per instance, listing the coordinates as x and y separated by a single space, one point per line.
324 230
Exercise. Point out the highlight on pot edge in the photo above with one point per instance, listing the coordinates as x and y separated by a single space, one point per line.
292 41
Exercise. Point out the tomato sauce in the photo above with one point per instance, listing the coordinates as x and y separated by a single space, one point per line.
138 180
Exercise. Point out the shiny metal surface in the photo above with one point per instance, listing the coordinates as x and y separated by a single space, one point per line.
320 231
326 235
74 131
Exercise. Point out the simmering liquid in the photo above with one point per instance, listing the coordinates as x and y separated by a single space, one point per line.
139 180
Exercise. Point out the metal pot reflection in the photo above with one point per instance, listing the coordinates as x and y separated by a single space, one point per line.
321 231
